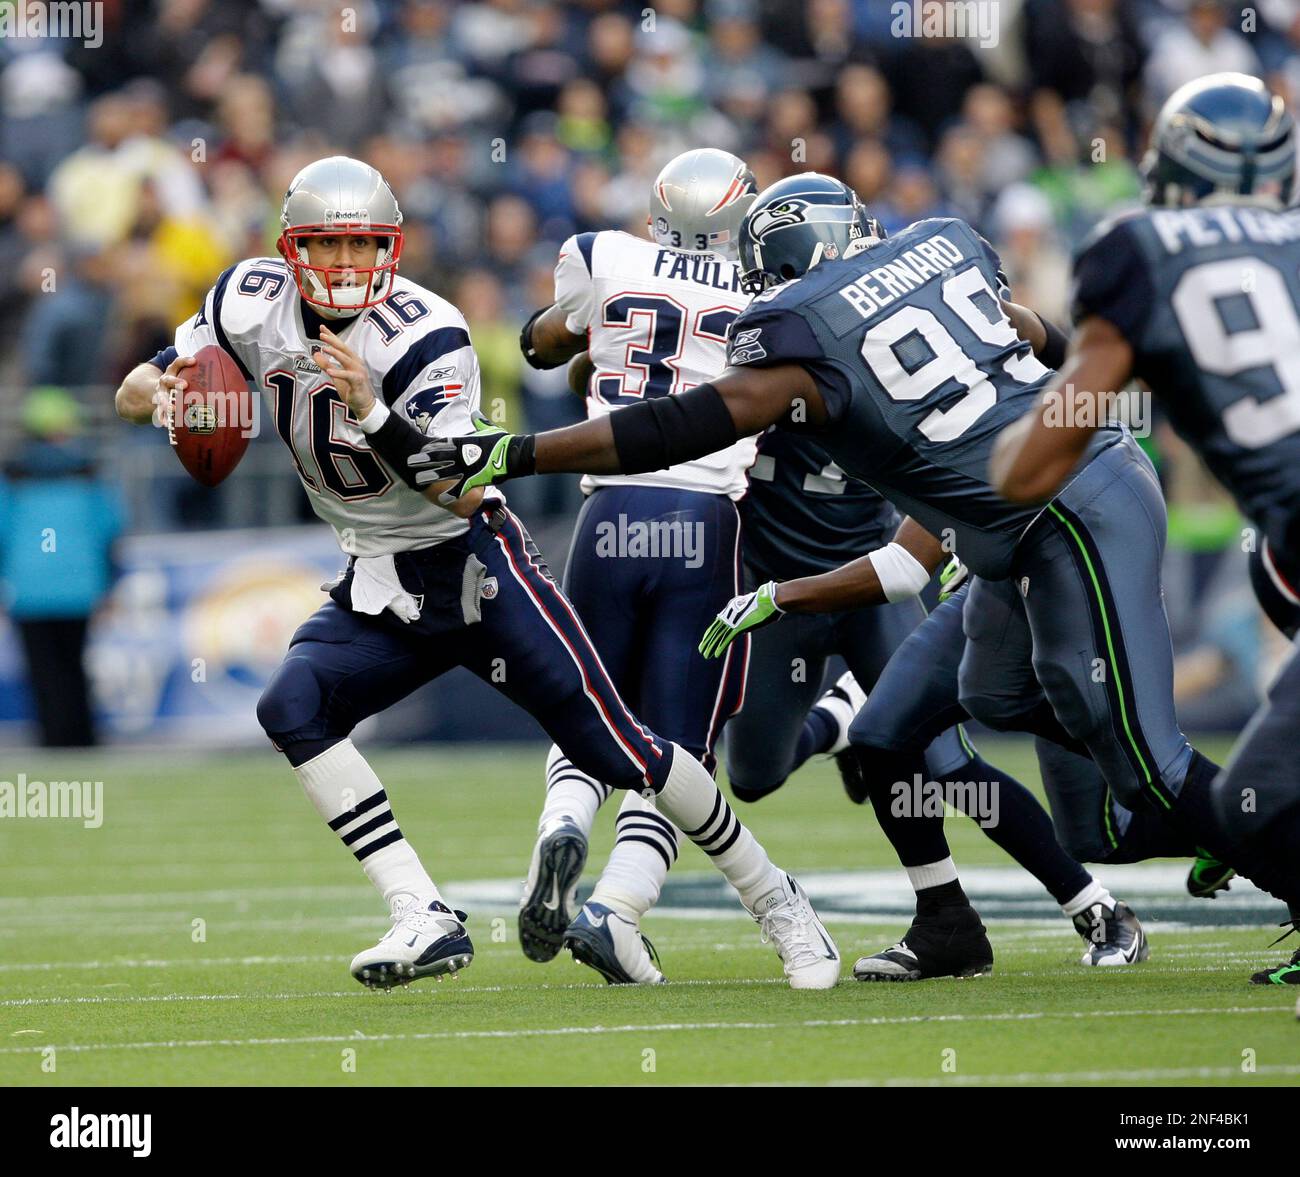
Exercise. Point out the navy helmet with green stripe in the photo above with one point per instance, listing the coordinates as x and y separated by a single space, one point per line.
1223 137
798 222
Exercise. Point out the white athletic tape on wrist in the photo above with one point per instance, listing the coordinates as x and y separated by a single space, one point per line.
375 418
901 574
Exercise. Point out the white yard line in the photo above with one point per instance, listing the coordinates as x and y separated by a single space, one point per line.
189 962
643 1028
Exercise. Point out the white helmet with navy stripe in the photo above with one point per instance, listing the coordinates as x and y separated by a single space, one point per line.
699 200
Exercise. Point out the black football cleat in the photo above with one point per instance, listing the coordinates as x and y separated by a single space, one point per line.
548 902
1113 936
1287 973
1283 974
951 942
842 702
851 775
1208 876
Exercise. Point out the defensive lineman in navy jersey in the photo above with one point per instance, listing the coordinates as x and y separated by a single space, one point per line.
906 360
1199 296
358 368
802 514
804 517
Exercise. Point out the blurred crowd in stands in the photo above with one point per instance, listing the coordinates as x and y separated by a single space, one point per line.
132 173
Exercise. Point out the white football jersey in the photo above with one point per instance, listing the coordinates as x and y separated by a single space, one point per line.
421 363
656 322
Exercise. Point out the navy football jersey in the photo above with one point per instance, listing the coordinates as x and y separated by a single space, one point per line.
803 515
1209 300
919 369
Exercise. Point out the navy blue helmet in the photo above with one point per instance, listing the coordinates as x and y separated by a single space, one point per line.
1221 136
798 222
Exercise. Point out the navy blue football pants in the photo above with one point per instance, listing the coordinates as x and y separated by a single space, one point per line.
787 664
342 666
649 569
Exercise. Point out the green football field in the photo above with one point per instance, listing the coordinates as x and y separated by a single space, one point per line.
202 936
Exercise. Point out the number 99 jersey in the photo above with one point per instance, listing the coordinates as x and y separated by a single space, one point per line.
656 321
417 349
1209 301
919 369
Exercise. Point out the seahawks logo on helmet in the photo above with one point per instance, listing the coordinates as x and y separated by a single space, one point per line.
777 216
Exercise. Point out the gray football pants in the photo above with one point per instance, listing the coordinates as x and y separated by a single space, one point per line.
1086 581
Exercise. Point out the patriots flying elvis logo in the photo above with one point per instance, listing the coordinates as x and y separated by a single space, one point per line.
423 406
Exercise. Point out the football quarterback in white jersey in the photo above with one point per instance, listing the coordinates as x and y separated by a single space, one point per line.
357 368
655 555
417 349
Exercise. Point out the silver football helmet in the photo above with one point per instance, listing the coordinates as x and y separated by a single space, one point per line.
699 200
341 197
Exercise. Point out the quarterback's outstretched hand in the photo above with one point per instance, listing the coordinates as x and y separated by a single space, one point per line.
739 615
468 461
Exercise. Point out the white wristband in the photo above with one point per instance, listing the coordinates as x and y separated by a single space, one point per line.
375 418
901 575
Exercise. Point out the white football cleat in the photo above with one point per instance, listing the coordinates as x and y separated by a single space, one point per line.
612 945
427 939
787 919
842 702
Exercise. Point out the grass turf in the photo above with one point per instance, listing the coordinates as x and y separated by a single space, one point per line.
202 935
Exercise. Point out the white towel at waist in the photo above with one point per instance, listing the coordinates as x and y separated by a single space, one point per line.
376 587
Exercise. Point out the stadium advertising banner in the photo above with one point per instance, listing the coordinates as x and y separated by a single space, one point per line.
194 626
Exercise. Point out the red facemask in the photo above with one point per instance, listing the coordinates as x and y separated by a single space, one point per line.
370 285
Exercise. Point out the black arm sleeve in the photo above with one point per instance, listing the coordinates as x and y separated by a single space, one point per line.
659 433
395 441
1053 353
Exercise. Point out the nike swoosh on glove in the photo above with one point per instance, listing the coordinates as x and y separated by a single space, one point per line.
469 461
739 615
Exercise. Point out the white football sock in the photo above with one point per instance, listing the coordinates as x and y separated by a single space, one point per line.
932 874
349 796
570 793
692 802
644 850
1094 892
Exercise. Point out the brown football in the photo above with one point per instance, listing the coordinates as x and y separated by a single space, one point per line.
209 423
